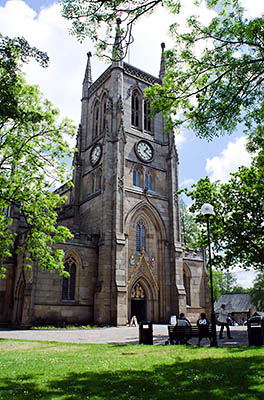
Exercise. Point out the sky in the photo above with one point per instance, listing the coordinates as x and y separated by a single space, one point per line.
40 22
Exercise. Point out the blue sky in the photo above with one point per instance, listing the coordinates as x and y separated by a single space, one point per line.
41 24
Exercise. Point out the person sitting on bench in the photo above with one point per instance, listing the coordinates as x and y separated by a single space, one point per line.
203 326
182 321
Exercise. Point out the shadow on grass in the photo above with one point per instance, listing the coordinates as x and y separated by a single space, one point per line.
207 379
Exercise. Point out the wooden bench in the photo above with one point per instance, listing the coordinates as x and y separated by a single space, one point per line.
180 334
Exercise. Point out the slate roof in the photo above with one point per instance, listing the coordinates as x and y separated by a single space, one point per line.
235 302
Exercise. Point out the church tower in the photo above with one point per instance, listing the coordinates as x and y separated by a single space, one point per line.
126 257
126 184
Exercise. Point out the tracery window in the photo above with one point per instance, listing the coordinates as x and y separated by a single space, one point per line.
68 284
140 237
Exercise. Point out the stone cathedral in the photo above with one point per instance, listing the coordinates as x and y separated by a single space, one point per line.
127 256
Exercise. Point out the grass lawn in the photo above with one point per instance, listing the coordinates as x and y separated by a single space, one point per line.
42 370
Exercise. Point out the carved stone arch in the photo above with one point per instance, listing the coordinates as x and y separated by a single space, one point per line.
147 209
143 304
187 275
74 263
136 87
148 285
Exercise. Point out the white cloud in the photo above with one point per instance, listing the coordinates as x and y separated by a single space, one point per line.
254 8
187 183
244 278
233 156
61 82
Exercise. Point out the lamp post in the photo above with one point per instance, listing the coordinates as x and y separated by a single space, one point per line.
207 210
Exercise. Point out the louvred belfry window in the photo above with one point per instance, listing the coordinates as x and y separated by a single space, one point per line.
147 117
135 111
96 119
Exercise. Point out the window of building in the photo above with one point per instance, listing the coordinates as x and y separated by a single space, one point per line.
93 183
96 119
147 117
140 237
148 181
137 177
136 109
103 114
187 287
68 284
99 179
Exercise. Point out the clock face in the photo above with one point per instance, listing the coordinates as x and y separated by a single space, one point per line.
144 151
95 154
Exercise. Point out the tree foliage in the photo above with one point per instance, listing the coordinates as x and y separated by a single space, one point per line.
237 229
190 229
33 153
210 90
257 292
219 86
223 282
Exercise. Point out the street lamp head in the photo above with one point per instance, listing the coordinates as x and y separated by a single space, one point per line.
207 209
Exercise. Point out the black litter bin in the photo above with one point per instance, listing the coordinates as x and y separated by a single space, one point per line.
255 331
145 333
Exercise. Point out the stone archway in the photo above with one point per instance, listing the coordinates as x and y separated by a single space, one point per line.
139 302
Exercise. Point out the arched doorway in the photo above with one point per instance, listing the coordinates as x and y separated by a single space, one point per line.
138 302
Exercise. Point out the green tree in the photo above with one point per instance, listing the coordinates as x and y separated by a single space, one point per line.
239 289
257 292
237 229
210 91
223 282
33 151
190 230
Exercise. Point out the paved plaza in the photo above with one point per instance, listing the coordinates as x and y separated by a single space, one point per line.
114 335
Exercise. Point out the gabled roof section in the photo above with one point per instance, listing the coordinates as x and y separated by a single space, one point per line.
235 302
99 82
139 74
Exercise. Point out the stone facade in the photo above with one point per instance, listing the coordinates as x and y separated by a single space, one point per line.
127 256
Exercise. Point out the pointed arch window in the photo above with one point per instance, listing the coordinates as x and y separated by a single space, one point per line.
148 181
99 179
140 237
137 177
96 113
103 113
93 183
187 286
147 117
68 284
136 109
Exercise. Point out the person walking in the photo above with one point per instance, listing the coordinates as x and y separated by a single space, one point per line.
222 319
